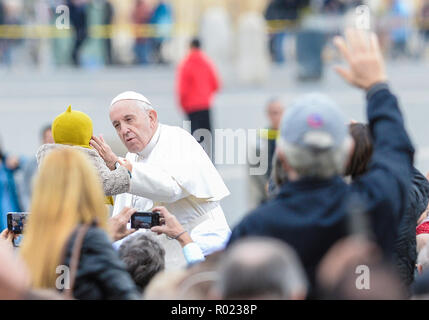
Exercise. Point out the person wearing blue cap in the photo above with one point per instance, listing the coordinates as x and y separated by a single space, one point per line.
313 208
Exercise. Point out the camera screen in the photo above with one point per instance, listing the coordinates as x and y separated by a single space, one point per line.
142 222
16 222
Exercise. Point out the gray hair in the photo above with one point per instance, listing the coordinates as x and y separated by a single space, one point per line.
308 162
261 267
143 256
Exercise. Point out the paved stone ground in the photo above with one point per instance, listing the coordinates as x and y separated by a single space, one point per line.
30 99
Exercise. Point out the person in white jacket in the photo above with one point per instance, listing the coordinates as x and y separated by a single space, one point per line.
168 168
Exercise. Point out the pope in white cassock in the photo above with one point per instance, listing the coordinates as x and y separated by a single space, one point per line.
168 168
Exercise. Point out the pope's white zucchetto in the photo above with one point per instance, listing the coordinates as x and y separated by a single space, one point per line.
131 95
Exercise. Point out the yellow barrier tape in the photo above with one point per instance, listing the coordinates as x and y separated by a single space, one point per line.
268 134
14 31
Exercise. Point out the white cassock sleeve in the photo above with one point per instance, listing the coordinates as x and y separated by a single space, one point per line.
151 182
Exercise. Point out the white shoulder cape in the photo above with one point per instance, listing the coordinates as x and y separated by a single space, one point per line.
181 156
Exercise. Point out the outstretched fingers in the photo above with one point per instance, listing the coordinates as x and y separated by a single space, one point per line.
345 73
375 44
341 45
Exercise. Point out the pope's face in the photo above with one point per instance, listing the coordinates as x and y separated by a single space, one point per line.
134 126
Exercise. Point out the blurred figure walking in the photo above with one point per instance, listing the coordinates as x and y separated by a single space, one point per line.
30 169
142 48
197 81
9 201
79 20
268 136
162 19
282 15
400 13
108 14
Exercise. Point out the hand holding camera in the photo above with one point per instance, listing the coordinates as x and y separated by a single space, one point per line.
118 224
171 227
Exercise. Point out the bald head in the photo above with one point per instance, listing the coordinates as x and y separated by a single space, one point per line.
275 110
261 268
256 252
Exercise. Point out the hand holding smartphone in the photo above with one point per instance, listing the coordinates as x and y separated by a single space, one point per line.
16 221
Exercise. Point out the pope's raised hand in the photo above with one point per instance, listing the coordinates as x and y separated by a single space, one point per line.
104 151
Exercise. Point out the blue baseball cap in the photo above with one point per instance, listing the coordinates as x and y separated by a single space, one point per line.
314 121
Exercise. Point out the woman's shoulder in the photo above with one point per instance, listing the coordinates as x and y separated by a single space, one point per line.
96 252
96 236
94 240
101 273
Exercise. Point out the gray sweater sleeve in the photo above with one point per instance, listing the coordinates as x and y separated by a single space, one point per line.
114 182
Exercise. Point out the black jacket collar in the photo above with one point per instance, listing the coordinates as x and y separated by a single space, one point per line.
307 184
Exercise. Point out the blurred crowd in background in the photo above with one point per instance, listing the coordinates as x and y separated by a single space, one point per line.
105 32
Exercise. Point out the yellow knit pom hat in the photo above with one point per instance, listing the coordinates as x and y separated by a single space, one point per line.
73 128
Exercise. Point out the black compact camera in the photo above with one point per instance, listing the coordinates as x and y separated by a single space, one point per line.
16 221
145 220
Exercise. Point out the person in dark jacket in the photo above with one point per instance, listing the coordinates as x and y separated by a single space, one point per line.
101 274
108 14
311 210
405 243
68 194
78 18
286 11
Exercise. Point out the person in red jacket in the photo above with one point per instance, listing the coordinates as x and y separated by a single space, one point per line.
197 81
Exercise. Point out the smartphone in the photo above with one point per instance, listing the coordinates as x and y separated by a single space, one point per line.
16 221
144 220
